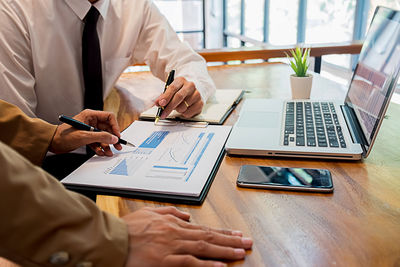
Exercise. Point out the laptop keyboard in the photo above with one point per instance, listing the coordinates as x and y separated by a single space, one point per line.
312 124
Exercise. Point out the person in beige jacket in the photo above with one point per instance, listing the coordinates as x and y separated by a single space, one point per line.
43 224
33 137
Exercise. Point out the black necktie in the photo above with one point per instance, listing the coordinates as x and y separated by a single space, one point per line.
91 62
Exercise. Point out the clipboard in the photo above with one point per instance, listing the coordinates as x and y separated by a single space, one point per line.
215 111
212 158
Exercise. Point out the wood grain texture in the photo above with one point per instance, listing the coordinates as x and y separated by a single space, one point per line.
266 51
357 225
269 51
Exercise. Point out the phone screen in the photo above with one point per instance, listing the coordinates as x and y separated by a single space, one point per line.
278 176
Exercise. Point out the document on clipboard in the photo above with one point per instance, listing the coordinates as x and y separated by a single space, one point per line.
215 111
170 163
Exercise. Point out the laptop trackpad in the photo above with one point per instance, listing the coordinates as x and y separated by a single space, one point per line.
259 120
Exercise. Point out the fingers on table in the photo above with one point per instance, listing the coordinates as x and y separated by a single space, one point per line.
215 243
217 237
204 249
192 226
173 212
188 260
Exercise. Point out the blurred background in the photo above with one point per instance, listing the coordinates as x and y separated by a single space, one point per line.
218 23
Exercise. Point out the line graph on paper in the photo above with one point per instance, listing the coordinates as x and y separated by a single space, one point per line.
175 159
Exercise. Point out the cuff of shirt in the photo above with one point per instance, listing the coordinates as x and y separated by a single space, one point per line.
197 74
37 154
117 252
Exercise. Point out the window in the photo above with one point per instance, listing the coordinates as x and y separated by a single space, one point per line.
331 22
186 17
254 22
283 21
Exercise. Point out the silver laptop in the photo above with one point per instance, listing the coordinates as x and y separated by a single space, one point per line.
328 129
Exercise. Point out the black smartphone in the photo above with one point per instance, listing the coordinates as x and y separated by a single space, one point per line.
297 179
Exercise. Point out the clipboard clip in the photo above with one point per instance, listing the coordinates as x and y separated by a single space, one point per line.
193 124
196 124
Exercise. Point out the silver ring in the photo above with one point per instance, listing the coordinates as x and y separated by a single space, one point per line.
187 105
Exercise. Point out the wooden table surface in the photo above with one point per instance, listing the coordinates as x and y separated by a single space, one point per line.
357 225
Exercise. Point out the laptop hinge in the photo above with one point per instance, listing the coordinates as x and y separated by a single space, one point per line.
354 127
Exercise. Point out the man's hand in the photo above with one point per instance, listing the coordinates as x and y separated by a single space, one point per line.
164 237
68 138
182 96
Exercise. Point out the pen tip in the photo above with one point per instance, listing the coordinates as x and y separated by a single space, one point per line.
130 144
157 119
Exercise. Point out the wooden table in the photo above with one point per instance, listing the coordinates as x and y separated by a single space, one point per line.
357 225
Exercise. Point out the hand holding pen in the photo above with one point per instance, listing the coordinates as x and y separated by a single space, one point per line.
67 138
169 80
180 95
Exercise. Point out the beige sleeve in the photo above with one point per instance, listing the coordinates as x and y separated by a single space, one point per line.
30 137
41 220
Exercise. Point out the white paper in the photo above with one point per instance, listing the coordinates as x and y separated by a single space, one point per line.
168 159
213 111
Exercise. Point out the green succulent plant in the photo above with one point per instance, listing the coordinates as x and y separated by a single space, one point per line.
299 62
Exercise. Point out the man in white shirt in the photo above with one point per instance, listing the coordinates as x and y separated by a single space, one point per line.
41 54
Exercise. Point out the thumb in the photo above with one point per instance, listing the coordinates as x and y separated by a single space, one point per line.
100 137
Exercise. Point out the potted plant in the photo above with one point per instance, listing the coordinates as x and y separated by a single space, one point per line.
300 82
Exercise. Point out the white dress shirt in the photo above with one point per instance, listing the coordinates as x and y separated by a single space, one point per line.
41 55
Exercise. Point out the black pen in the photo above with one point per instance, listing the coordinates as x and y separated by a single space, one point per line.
84 127
170 79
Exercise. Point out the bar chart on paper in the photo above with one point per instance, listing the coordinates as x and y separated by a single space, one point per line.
168 159
176 161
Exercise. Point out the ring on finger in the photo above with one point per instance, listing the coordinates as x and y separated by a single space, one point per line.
186 103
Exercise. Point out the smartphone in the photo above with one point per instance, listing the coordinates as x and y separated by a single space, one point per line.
296 179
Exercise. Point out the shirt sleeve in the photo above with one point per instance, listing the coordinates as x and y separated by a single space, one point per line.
29 137
44 223
17 74
160 48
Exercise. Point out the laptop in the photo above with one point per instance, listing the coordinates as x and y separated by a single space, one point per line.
328 129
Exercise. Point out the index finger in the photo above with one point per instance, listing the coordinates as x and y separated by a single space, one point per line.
186 92
166 97
105 121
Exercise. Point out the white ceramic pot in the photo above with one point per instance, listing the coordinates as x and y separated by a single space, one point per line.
301 86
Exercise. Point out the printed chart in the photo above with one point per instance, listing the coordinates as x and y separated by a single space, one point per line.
175 161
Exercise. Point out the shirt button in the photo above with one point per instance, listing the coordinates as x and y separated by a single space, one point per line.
59 258
84 264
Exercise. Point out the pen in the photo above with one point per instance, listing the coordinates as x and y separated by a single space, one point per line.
170 79
84 127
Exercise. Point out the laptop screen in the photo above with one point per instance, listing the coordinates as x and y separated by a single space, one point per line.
376 74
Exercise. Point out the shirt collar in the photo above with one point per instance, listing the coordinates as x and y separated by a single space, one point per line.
82 7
